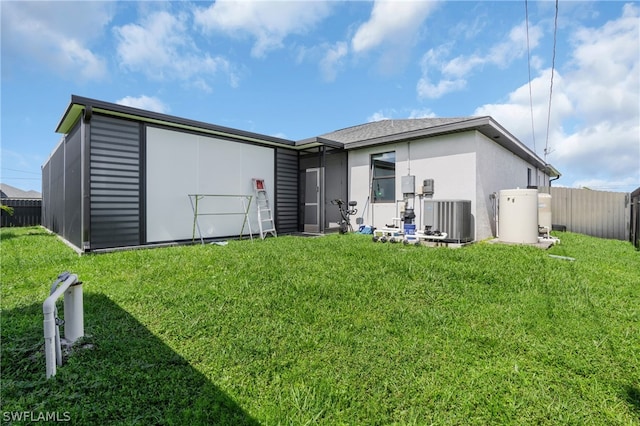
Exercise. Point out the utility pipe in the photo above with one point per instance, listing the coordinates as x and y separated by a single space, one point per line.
68 285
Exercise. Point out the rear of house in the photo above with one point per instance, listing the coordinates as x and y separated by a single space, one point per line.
126 177
469 158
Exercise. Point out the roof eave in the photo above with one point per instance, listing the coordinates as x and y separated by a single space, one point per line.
504 138
484 124
459 126
553 172
318 141
78 104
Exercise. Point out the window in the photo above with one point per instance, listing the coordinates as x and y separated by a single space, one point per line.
383 180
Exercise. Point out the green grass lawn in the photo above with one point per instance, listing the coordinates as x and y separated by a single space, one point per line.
332 330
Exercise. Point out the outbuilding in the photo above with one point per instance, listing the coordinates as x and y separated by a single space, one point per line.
124 177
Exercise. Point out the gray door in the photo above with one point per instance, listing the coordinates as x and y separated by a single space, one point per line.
312 200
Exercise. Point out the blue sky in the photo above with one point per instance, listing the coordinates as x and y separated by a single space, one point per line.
298 69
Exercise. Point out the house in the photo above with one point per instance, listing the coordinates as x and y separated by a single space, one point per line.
126 177
8 191
24 206
467 158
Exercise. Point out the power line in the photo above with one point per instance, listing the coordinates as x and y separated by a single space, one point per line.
553 64
526 18
21 171
21 178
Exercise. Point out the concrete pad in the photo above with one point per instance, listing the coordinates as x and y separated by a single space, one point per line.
543 244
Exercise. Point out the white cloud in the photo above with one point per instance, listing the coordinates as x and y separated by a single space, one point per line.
57 35
601 149
594 136
607 184
468 30
432 60
515 46
391 113
427 89
333 60
606 79
515 113
395 22
454 72
268 22
149 103
161 48
377 116
422 113
392 30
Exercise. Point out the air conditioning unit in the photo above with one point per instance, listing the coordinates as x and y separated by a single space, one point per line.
450 216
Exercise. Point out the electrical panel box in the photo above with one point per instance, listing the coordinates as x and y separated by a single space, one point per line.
408 184
427 187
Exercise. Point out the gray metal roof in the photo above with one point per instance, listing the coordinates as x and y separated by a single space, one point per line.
382 128
393 131
80 105
369 134
8 191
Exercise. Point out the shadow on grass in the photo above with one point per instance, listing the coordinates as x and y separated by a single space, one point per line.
18 232
119 373
633 398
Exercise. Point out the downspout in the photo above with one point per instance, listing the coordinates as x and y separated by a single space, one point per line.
551 180
496 206
372 204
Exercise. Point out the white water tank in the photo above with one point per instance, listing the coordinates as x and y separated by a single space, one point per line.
544 211
518 216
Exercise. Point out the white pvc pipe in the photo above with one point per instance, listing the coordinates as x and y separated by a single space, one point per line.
73 313
74 323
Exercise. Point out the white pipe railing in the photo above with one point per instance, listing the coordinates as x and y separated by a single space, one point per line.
68 285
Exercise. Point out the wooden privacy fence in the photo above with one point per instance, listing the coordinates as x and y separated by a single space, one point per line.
596 213
26 212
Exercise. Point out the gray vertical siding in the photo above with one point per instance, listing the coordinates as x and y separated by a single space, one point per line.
46 196
72 188
56 191
286 212
596 213
115 182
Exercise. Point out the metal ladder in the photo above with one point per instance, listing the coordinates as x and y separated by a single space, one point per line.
265 215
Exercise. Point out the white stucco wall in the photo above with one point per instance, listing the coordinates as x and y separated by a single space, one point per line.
464 166
449 160
498 168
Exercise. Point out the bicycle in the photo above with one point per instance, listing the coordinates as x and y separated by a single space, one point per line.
345 223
